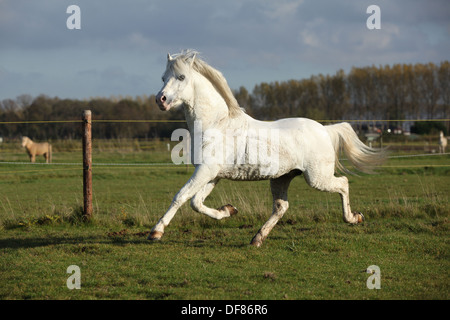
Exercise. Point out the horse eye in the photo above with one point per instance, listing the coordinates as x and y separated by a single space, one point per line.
181 77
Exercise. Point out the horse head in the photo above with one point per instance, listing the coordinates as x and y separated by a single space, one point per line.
25 141
177 79
184 71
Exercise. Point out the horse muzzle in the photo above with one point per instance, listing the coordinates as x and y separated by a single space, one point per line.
161 101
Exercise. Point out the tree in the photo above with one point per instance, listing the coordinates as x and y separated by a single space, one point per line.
444 89
334 95
427 87
400 91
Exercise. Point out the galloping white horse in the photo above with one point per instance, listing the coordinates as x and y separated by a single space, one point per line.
295 146
442 142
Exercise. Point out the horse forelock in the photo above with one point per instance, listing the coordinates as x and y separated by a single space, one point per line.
191 58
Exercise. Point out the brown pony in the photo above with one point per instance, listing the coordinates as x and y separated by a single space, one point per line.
37 149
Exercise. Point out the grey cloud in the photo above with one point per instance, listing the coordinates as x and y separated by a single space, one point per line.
122 44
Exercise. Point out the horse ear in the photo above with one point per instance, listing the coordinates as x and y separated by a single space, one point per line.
193 59
169 58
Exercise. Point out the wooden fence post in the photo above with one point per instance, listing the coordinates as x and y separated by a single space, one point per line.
87 164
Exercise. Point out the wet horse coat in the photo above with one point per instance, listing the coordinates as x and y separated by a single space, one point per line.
295 146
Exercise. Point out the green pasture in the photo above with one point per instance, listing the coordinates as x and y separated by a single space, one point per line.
310 254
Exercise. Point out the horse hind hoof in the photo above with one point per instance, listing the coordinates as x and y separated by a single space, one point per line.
256 244
155 235
231 209
257 241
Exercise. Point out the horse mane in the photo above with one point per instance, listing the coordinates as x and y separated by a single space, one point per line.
191 57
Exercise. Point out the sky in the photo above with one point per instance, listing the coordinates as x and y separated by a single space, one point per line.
122 45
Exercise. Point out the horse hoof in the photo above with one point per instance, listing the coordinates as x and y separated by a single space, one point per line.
256 241
155 235
360 217
231 209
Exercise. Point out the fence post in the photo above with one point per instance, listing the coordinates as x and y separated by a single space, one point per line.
87 164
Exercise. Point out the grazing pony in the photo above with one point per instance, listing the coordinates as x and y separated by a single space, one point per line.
442 142
277 151
36 149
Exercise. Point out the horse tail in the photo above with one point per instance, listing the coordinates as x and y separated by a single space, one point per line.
362 157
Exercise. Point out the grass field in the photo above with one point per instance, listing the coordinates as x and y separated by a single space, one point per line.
310 254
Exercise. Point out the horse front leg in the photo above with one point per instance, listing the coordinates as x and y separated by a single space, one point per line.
202 175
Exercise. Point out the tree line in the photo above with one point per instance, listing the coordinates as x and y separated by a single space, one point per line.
400 91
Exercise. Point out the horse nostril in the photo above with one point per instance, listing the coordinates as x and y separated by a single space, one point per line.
163 98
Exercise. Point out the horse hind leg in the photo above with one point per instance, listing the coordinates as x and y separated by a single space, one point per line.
279 188
330 183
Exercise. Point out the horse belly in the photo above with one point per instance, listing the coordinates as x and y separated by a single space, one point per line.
252 172
40 149
243 173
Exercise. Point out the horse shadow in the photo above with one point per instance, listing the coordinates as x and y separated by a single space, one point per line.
51 240
36 242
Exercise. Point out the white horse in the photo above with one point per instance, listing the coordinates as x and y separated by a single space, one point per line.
296 146
442 142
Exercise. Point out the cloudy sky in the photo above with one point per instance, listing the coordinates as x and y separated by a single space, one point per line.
122 45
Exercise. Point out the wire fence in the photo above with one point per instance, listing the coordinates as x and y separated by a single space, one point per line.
183 121
10 170
168 165
93 121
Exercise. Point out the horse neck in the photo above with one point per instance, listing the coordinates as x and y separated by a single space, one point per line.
207 106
